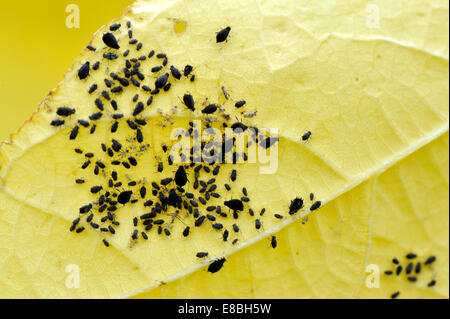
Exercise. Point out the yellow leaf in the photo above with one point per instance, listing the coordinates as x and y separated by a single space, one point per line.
374 94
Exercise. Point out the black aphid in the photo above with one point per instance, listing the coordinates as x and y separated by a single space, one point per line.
395 295
388 272
430 260
79 181
187 70
116 145
398 270
199 221
395 261
57 123
188 100
175 72
216 265
96 189
110 40
225 235
418 268
409 268
114 127
96 66
65 111
139 136
411 256
431 283
186 231
239 104
412 278
85 209
83 72
306 136
273 242
315 206
210 109
161 81
257 224
110 56
233 175
117 89
74 132
138 109
91 48
96 116
295 206
115 27
202 254
124 197
85 164
235 205
181 177
93 88
99 104
268 142
222 35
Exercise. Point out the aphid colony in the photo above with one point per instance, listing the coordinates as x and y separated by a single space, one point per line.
187 194
411 269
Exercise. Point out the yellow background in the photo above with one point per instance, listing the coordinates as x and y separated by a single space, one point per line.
36 49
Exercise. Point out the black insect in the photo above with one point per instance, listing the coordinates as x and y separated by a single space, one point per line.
74 132
186 231
124 197
222 35
138 109
257 224
83 72
139 136
395 295
210 109
411 256
306 136
234 204
110 40
187 70
93 88
115 27
268 142
239 127
175 72
315 206
96 116
85 209
65 111
161 81
233 175
273 242
57 123
430 260
296 205
225 235
181 177
202 254
216 265
188 100
240 104
110 56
